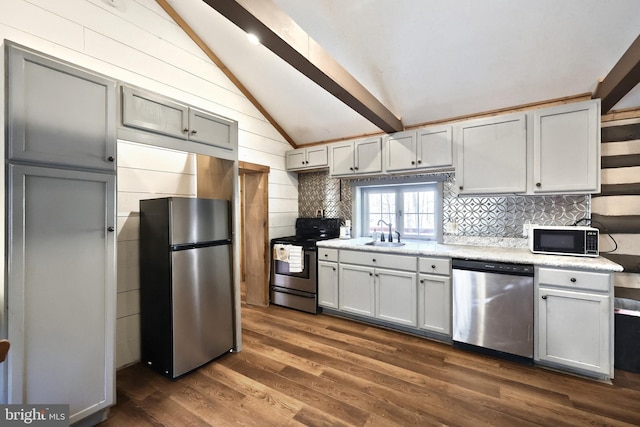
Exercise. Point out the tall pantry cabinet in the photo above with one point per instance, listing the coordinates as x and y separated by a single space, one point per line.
61 284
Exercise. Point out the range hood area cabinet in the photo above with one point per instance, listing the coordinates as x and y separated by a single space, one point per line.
310 158
155 113
554 150
422 150
61 244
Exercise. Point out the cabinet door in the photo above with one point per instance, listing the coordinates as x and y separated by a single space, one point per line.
342 159
356 290
566 148
328 284
400 151
434 148
396 296
492 155
434 303
368 156
210 129
296 159
573 329
61 288
152 112
59 114
316 157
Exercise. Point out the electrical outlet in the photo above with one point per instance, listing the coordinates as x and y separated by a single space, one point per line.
451 228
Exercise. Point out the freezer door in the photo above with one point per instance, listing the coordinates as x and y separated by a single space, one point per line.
202 306
198 220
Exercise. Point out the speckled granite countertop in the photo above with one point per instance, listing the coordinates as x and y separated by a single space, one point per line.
484 253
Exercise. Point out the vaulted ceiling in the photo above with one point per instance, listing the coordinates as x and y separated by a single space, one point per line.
422 60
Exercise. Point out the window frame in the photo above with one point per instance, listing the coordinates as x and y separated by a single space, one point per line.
362 190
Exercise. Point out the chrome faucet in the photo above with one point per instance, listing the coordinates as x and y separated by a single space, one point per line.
382 234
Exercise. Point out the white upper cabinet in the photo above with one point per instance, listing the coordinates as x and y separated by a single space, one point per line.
58 113
492 155
155 113
358 157
566 148
425 149
307 158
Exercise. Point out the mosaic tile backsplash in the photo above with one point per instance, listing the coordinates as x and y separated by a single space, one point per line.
496 217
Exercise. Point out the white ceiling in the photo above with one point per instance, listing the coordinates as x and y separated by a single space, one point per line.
428 60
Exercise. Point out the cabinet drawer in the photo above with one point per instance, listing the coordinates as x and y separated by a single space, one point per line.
435 265
376 259
574 279
325 254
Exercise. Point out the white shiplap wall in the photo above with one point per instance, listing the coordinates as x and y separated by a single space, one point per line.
136 42
144 172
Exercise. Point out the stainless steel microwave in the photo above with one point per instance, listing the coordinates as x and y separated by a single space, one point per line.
564 240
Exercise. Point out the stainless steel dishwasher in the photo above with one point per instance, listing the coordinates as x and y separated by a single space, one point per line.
493 308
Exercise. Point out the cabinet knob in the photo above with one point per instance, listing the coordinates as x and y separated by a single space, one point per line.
111 158
370 274
461 187
374 260
412 162
307 162
544 297
538 184
421 280
350 169
193 132
573 280
356 168
110 229
185 130
433 266
334 269
419 161
377 275
326 255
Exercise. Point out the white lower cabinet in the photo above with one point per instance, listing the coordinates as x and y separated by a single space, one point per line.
357 291
574 324
396 296
434 303
328 284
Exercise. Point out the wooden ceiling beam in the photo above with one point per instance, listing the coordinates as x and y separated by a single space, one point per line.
623 77
280 34
214 58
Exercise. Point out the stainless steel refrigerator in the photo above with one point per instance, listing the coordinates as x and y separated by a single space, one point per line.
186 298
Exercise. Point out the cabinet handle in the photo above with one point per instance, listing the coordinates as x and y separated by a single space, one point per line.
193 132
573 280
544 297
111 229
111 158
185 130
538 184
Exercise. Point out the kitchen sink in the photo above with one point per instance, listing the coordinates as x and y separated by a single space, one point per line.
386 244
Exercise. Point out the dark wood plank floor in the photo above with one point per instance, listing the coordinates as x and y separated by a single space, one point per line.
301 369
